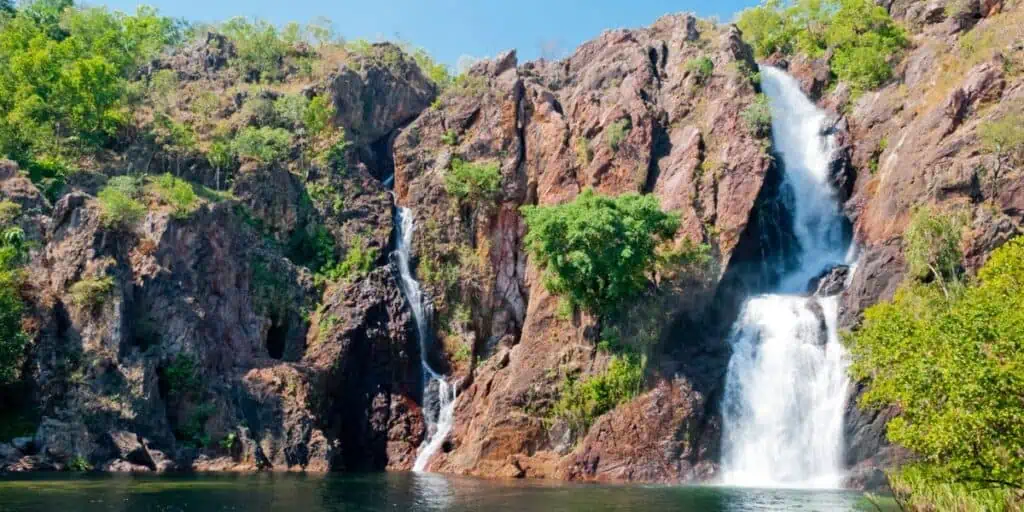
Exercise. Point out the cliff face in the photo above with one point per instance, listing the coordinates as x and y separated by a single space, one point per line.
548 127
203 341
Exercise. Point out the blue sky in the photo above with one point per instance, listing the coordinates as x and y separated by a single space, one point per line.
449 29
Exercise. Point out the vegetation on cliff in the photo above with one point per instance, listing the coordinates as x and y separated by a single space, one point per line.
951 358
598 252
858 36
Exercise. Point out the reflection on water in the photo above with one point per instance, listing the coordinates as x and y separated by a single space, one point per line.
380 492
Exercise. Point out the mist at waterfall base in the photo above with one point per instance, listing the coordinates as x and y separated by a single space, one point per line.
441 418
786 385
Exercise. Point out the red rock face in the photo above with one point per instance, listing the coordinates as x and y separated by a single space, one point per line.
549 127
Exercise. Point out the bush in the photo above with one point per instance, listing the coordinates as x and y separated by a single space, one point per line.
953 363
9 212
583 401
182 376
358 262
318 114
118 209
259 49
476 182
758 116
12 339
290 109
701 68
92 291
932 246
616 132
596 251
584 152
450 138
178 193
264 145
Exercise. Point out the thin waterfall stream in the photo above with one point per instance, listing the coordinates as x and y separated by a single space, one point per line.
440 423
786 385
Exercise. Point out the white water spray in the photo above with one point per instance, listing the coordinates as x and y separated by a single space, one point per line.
438 429
786 386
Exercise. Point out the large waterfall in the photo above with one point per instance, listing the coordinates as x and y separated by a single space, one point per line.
439 421
786 386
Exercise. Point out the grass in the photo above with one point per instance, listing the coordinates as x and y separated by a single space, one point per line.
917 492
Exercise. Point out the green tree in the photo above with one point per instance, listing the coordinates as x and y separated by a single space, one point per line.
264 145
259 48
861 34
12 338
597 251
954 365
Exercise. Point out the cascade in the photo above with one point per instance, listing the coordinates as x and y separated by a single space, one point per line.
786 384
437 427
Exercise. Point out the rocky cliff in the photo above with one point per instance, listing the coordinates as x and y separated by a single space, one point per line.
203 341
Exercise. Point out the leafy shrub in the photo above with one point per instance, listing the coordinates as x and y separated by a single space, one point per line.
467 180
583 401
182 376
468 85
953 364
79 464
862 35
9 212
290 109
598 251
450 138
435 71
358 262
178 193
312 247
702 68
118 209
259 49
932 246
758 116
12 339
318 114
616 132
264 145
91 291
584 152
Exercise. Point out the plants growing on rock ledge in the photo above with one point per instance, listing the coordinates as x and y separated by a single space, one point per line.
616 132
472 181
596 251
758 116
583 401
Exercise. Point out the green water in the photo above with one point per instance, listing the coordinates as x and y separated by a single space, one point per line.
401 492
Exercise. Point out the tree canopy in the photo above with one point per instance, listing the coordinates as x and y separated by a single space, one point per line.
861 35
598 251
954 365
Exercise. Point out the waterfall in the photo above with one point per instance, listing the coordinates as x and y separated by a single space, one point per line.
786 385
437 427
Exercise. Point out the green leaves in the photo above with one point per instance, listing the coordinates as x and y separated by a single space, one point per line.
265 145
954 365
598 251
472 181
583 401
862 35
